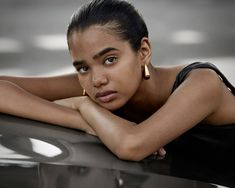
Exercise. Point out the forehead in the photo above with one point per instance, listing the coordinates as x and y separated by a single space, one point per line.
94 39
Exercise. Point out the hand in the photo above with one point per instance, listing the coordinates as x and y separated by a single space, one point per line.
73 103
160 153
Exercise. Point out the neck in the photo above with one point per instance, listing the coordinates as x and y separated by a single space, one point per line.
150 96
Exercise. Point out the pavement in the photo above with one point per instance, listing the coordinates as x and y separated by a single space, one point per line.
32 34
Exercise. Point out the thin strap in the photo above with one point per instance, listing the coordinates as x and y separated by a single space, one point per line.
183 73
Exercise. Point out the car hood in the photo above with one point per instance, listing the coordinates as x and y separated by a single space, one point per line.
36 154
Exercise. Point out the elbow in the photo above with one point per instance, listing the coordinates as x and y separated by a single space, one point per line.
128 157
128 150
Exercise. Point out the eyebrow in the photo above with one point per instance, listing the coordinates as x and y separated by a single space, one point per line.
77 63
104 51
99 54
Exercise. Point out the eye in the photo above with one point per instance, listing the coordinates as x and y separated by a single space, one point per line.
83 69
110 60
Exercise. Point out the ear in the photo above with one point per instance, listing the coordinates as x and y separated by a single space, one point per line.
145 51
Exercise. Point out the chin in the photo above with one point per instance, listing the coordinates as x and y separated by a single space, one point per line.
112 106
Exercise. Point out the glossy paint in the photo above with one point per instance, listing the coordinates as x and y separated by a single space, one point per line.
35 154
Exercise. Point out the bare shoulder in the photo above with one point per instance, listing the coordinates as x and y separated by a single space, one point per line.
207 78
205 83
199 96
216 91
167 75
197 80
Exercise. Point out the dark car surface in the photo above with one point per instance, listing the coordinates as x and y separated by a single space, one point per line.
35 154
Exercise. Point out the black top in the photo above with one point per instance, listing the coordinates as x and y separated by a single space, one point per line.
183 73
206 141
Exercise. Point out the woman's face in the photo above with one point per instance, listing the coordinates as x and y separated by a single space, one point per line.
108 69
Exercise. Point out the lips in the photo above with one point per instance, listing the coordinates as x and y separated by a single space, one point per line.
106 96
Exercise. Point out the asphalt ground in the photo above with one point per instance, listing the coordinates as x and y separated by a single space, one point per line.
32 34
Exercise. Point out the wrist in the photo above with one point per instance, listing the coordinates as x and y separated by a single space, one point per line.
78 122
84 103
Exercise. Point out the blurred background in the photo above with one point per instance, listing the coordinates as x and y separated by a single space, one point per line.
33 42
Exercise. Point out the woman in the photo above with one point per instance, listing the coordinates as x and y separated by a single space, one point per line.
133 107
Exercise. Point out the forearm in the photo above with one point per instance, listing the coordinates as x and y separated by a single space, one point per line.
111 129
16 101
50 88
121 136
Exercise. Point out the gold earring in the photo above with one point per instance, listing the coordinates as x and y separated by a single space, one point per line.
84 92
146 73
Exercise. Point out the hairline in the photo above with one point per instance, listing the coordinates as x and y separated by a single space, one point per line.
108 27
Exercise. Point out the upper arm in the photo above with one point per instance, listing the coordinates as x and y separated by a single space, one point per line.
50 88
195 99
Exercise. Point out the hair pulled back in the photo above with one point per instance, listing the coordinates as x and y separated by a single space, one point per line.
117 15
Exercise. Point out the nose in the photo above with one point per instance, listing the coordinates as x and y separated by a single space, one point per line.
99 79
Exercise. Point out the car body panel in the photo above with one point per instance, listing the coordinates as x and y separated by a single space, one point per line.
36 154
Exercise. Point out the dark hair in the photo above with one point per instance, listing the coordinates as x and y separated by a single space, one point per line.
118 15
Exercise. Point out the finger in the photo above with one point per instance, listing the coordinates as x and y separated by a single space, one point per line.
162 152
155 153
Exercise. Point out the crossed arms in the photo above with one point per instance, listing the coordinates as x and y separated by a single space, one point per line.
31 98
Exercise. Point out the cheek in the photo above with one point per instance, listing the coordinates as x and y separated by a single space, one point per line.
80 81
131 77
132 84
83 81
